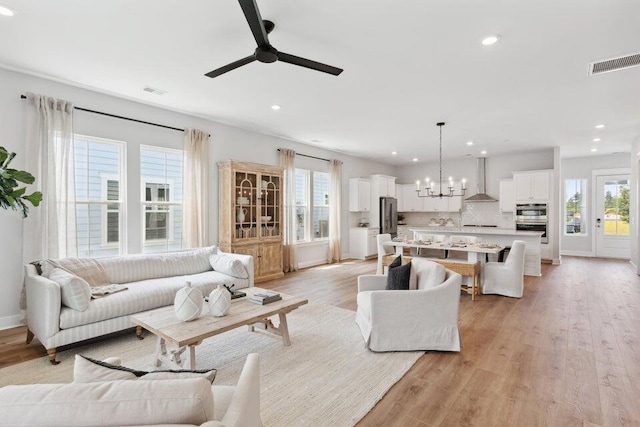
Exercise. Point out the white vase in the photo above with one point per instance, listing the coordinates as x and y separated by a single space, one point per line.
188 303
240 215
219 301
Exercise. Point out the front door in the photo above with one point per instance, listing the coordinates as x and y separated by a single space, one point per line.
612 216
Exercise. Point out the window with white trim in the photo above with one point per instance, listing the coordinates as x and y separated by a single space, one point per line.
312 205
161 190
99 174
575 207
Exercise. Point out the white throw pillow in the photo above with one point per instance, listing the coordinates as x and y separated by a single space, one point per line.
228 265
87 370
430 274
74 291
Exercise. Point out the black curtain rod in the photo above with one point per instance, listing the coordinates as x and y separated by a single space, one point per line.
121 117
311 157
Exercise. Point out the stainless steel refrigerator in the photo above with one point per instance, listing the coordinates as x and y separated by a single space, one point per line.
389 216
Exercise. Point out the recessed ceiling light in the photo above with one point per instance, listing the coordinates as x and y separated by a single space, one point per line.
393 153
275 107
469 142
593 150
5 11
483 152
415 159
596 139
488 41
599 126
316 141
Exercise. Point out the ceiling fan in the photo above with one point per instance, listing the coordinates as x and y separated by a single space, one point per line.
265 52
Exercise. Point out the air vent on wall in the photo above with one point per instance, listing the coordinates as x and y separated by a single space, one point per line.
614 64
154 90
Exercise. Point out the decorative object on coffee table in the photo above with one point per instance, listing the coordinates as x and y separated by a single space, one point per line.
188 303
219 301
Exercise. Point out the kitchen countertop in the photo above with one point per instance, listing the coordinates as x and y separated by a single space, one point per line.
476 230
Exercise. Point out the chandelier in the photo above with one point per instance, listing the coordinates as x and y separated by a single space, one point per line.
429 189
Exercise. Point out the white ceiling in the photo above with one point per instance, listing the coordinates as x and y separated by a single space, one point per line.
408 64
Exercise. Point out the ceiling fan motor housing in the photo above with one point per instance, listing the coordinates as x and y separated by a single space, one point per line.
266 54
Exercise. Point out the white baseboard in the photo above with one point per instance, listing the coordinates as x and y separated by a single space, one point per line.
9 322
578 253
313 263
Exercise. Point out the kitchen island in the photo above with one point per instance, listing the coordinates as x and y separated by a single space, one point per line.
501 236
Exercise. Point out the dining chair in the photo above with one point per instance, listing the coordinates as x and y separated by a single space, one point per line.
425 252
506 278
456 239
383 250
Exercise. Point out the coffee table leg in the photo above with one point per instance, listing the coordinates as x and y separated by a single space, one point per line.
284 329
161 350
192 357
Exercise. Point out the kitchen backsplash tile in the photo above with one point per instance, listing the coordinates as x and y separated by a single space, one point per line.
472 213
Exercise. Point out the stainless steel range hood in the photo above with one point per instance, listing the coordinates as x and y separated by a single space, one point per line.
481 184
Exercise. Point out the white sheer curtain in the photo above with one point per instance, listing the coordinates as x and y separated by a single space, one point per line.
195 224
335 201
50 229
289 251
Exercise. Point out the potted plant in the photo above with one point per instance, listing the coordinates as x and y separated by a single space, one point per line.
12 195
400 219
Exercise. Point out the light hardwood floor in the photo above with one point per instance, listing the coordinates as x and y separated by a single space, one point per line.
566 354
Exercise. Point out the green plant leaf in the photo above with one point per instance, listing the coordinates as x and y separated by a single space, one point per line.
21 176
3 155
35 198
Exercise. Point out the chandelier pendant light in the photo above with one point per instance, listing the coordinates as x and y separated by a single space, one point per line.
429 189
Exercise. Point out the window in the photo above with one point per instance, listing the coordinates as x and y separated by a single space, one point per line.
312 205
161 181
99 173
575 195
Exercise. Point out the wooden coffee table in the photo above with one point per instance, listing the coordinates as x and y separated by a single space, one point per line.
163 323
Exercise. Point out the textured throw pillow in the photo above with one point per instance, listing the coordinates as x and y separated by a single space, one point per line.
228 265
87 268
74 291
398 276
87 370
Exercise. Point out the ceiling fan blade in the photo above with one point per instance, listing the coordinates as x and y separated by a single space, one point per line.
307 63
232 66
251 12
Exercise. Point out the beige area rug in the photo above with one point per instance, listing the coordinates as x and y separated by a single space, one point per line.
325 378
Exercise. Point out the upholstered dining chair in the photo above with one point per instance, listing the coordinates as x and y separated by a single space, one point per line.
430 253
455 238
506 278
383 250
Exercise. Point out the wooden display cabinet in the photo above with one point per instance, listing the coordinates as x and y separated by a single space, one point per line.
250 217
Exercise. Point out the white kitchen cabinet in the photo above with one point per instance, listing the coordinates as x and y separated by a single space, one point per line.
363 242
408 200
532 186
507 195
359 195
443 204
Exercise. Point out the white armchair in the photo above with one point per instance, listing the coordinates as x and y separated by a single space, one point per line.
422 319
506 278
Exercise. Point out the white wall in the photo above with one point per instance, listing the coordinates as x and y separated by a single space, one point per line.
582 168
226 143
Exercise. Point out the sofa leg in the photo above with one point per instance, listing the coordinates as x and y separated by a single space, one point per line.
29 336
139 332
52 356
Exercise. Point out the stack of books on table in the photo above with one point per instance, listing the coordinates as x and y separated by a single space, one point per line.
265 297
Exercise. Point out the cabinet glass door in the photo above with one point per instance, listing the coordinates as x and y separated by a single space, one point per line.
246 205
270 196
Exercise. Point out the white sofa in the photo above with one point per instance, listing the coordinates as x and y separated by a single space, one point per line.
423 318
152 281
184 402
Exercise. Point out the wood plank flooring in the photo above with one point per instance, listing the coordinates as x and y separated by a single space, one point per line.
566 354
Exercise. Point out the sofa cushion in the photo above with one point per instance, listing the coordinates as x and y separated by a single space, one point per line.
113 403
134 268
144 295
228 265
88 370
75 292
430 274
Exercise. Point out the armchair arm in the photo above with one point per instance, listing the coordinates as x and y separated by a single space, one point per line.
244 409
247 261
371 282
419 308
43 304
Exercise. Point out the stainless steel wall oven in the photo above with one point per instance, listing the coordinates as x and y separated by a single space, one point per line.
532 217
